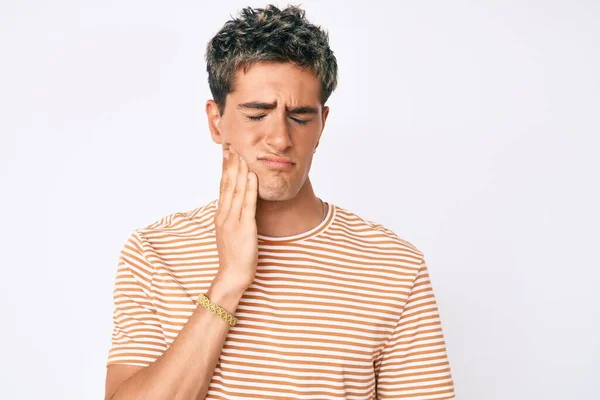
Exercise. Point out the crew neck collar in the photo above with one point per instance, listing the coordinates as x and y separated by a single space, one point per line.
311 233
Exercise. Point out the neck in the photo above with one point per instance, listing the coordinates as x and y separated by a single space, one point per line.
289 217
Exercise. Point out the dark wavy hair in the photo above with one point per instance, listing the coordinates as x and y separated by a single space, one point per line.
268 35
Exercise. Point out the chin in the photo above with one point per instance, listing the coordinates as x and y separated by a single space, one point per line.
270 195
278 190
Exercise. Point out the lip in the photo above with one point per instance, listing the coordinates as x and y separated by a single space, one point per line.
276 162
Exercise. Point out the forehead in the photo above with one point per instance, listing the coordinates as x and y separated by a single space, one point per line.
266 81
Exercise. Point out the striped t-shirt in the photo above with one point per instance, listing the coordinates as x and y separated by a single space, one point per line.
343 311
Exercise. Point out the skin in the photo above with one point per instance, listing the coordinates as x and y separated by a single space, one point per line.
252 199
287 204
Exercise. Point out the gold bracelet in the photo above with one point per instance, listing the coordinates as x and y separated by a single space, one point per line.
216 309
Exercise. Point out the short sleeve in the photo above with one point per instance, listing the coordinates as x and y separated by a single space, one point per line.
413 364
137 336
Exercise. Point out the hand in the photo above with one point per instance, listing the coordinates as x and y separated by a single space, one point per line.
235 222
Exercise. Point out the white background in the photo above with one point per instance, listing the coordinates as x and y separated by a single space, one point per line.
469 128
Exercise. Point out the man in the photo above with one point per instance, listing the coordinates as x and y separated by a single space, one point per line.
270 292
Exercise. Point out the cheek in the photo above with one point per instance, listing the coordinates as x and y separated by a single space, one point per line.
307 141
244 139
234 132
249 134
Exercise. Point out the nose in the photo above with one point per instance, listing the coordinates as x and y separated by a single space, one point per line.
278 133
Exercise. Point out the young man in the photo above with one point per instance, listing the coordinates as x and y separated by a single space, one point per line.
270 292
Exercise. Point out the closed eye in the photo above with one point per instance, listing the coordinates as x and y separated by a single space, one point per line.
259 117
300 121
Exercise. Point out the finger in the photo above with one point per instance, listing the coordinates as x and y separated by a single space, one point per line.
240 190
249 208
223 184
231 173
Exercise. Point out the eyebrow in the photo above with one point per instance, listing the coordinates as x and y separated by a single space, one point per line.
257 105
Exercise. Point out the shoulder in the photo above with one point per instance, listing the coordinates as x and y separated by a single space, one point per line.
180 224
374 234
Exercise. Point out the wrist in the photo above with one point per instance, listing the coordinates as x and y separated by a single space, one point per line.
224 295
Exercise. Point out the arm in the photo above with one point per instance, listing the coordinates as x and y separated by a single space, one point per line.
413 363
184 370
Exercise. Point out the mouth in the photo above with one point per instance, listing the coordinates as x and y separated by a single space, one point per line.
279 163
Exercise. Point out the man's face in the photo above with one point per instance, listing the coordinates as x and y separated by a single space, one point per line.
274 113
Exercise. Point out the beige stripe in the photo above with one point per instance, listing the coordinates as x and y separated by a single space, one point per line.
327 312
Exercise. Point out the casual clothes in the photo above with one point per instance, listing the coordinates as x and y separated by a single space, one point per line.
343 311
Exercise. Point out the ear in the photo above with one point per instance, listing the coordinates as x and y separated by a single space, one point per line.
214 117
324 119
